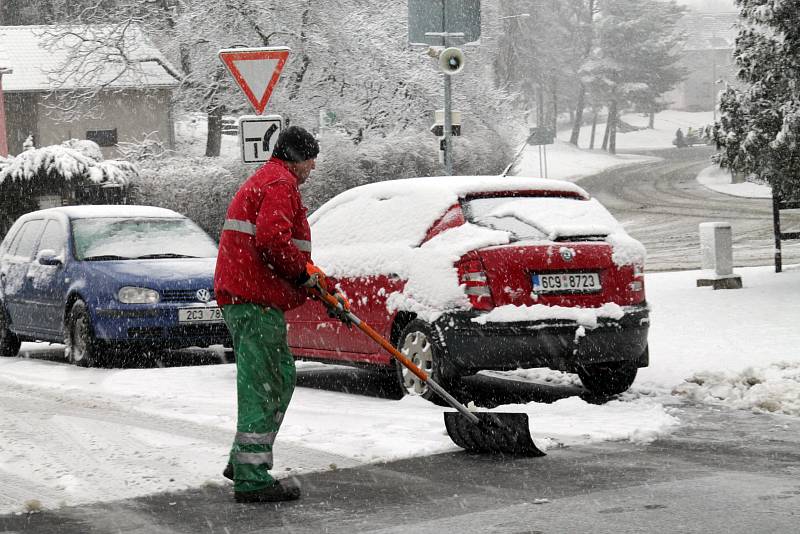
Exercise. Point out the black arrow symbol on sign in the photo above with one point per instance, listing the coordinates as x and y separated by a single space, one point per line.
267 136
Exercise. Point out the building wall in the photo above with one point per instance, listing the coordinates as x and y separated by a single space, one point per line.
133 114
707 72
21 119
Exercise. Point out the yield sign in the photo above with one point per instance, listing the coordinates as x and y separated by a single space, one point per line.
256 70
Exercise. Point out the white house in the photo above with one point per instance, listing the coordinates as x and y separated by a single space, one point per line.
707 58
130 81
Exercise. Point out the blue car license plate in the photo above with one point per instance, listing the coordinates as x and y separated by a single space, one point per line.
200 315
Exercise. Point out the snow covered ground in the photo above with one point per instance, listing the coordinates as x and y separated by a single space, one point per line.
720 181
72 435
101 434
566 162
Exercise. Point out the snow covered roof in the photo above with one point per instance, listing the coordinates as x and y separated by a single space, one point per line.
37 57
710 31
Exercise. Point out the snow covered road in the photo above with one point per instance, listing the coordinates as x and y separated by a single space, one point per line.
662 203
73 435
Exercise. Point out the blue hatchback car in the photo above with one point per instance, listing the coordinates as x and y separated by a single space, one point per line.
108 281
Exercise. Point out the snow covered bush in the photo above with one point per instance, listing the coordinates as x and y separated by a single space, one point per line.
73 160
198 187
74 170
342 164
201 188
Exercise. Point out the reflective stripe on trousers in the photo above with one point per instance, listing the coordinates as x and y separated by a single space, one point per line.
253 438
246 227
254 458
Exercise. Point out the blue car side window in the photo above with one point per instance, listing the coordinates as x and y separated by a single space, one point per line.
26 243
53 237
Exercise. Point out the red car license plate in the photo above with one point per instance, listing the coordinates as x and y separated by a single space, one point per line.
570 282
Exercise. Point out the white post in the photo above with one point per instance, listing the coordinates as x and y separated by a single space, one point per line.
716 256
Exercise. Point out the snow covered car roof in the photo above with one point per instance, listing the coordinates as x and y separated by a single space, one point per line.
444 191
402 211
117 211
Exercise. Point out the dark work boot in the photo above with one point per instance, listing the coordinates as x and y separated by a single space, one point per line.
228 472
279 491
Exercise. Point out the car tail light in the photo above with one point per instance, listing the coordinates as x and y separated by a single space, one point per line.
637 285
476 285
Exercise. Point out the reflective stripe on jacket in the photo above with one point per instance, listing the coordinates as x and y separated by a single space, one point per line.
265 242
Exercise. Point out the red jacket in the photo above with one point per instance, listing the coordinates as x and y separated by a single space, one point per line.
265 242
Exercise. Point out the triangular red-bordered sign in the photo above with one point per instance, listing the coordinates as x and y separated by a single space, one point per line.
256 70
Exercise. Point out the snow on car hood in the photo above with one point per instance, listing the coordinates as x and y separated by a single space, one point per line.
375 229
157 273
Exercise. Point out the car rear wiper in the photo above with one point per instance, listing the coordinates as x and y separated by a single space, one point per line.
582 237
164 255
105 257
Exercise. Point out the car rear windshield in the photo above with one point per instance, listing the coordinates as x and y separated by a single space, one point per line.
108 238
541 217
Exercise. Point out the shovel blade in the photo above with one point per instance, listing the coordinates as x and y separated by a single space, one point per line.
495 433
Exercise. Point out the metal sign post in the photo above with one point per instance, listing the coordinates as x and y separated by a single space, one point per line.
542 137
443 23
448 126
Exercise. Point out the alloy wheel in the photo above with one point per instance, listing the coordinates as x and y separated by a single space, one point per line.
419 350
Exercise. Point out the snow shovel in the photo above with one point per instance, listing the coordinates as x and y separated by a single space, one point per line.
481 432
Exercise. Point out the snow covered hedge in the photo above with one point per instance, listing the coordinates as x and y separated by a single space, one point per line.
74 170
342 164
74 160
197 187
201 188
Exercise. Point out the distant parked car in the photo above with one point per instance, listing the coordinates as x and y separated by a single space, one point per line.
465 274
108 280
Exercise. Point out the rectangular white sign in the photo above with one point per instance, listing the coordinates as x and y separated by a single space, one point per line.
257 136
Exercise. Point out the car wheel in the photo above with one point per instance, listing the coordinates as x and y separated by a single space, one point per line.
608 378
82 347
9 342
420 343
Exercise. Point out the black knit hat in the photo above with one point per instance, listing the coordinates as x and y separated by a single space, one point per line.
295 144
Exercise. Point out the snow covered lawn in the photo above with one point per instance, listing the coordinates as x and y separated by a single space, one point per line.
74 435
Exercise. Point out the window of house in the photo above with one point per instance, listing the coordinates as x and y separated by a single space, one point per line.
102 137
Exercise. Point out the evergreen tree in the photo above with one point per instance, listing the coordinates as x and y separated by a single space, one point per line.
759 126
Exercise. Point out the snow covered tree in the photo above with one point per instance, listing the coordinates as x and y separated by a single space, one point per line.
538 55
759 127
634 58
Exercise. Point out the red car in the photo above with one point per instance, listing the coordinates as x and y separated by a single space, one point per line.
465 274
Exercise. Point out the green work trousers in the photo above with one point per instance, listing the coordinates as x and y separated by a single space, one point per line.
265 379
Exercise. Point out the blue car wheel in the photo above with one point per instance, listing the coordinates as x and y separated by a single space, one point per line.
83 349
9 343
